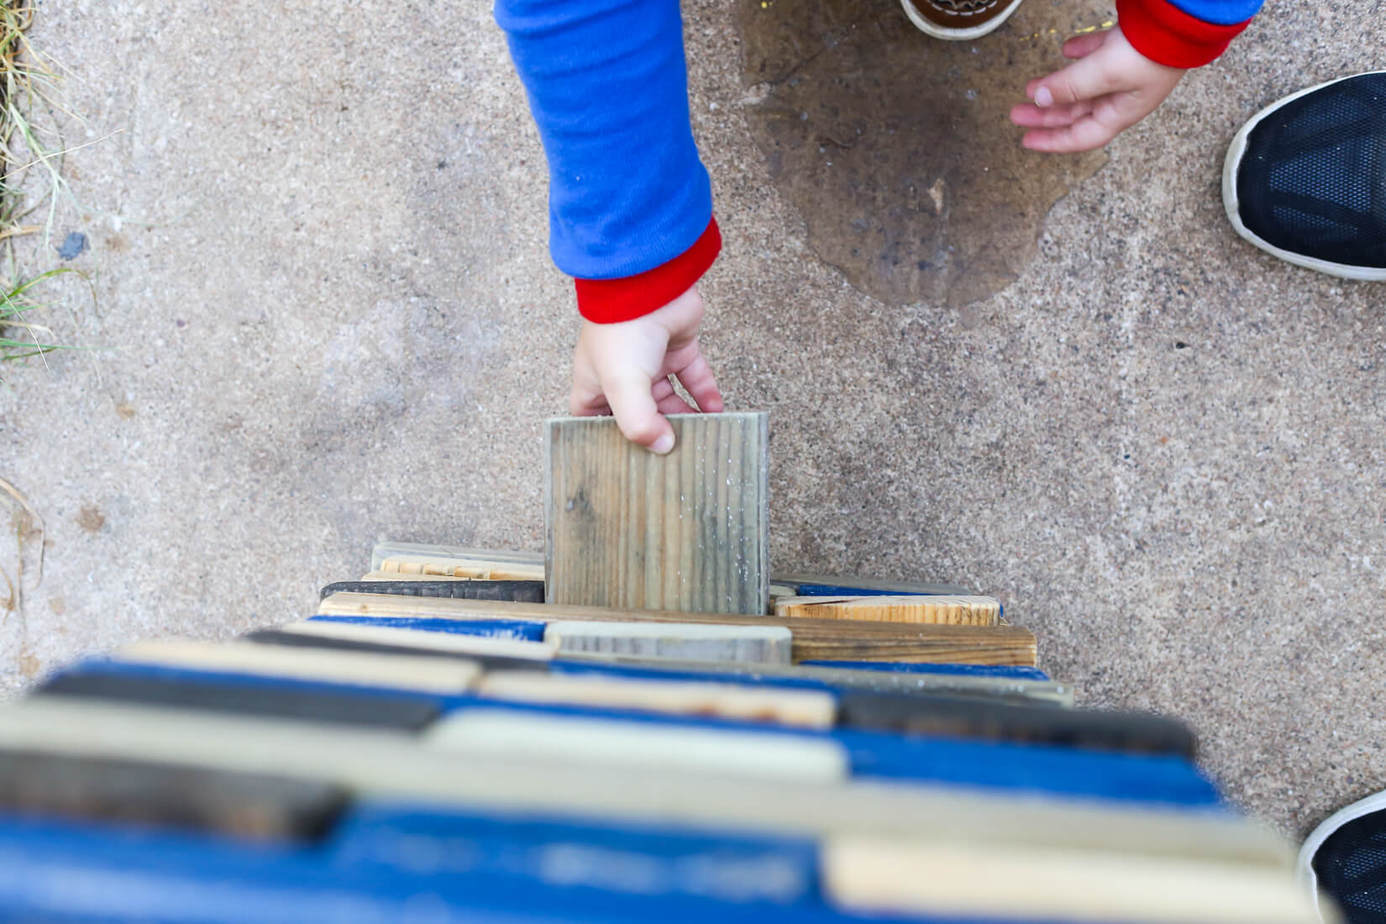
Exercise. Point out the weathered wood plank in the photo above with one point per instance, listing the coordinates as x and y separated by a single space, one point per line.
814 639
427 675
797 708
965 880
686 531
931 610
680 641
467 589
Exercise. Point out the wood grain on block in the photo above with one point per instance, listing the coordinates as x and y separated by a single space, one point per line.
631 745
801 583
681 641
469 589
960 880
394 765
959 717
684 531
421 550
814 639
443 642
425 675
934 609
254 806
370 710
796 708
430 567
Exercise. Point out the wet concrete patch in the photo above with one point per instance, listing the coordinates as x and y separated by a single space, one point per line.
896 147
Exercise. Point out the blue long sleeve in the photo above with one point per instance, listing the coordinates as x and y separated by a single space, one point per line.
608 88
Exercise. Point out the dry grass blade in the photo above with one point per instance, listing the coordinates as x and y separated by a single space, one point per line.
30 523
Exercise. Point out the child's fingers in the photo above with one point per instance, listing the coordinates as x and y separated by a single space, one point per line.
1080 46
667 400
1029 115
1083 135
697 378
1085 79
630 395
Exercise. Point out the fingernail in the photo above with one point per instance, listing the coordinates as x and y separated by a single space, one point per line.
663 444
1043 97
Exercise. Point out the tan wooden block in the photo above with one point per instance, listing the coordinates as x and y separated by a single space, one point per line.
429 675
966 880
814 639
653 748
401 576
685 531
797 708
929 610
434 567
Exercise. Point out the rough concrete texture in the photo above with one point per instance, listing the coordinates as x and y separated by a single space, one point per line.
326 316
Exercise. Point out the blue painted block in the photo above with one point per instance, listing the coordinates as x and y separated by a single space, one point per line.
518 629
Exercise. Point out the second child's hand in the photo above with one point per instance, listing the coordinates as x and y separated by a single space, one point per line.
623 369
1109 87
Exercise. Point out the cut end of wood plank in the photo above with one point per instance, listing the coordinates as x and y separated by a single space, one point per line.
928 610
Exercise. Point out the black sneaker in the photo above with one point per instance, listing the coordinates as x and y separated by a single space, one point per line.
1345 858
1305 179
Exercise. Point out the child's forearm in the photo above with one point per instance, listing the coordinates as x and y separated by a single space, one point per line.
1184 33
630 205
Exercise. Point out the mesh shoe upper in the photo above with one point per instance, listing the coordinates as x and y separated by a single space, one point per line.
1312 180
1351 867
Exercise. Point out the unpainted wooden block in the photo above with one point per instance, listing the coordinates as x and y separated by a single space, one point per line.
483 569
781 706
896 877
499 557
680 641
571 740
686 531
930 610
440 675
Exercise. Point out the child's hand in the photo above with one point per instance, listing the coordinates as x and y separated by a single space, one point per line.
1110 87
623 369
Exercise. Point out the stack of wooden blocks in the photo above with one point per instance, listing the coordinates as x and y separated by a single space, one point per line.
639 724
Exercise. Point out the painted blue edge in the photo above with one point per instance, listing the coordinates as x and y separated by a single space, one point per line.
519 630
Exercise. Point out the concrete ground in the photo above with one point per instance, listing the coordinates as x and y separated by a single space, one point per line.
325 315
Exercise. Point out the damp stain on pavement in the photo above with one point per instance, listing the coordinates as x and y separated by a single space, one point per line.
897 148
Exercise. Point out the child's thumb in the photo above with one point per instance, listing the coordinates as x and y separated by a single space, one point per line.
636 414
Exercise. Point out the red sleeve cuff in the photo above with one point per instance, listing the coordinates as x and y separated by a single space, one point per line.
1167 35
609 301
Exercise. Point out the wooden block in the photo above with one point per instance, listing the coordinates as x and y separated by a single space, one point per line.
425 675
391 765
376 576
439 642
527 591
932 610
647 746
814 639
483 569
801 584
498 558
1131 732
253 806
897 877
298 641
368 710
796 708
681 641
686 531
